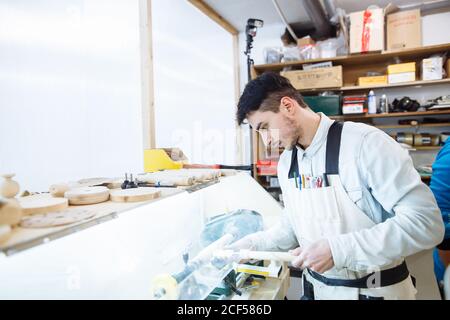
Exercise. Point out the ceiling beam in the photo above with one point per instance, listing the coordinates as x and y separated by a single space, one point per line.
210 12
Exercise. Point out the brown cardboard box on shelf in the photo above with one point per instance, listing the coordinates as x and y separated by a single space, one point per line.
404 30
305 41
401 67
373 80
367 29
316 78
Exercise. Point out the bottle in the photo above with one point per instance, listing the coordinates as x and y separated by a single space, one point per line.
384 106
372 102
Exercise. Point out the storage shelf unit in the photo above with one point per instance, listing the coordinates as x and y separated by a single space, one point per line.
355 66
418 83
392 115
361 59
420 125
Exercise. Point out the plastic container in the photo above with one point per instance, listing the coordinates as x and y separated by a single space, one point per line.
372 102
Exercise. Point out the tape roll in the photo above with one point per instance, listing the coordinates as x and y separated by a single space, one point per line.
407 138
426 139
165 287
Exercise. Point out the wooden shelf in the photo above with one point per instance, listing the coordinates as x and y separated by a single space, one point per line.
369 58
418 83
391 115
355 66
407 126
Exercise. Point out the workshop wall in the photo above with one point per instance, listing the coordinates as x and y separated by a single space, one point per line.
70 100
193 83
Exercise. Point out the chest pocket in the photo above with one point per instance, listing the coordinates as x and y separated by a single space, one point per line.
355 195
358 197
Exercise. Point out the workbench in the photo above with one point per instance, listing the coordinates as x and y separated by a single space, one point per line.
117 253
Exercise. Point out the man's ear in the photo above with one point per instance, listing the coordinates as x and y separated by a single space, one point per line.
287 106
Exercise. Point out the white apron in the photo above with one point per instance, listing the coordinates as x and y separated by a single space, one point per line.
328 211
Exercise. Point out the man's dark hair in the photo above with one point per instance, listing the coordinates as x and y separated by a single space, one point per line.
265 93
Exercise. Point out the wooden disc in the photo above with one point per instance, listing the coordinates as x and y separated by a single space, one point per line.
42 203
10 211
5 232
87 195
134 195
57 218
92 182
58 190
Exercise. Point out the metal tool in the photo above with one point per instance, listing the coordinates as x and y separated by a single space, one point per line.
125 182
132 183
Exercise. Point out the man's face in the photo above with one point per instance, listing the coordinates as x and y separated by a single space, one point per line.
276 129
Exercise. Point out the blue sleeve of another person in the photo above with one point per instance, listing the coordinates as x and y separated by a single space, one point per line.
440 184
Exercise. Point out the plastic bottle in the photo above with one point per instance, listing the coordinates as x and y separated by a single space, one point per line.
384 106
372 102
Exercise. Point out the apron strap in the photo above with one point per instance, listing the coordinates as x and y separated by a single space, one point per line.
333 148
294 164
332 152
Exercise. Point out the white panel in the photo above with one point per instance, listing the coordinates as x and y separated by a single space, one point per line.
69 90
194 83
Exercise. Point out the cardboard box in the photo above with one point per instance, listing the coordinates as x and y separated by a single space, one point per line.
305 41
404 30
402 77
432 68
367 29
316 78
401 67
371 81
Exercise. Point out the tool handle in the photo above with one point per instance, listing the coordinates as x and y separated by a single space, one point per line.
267 255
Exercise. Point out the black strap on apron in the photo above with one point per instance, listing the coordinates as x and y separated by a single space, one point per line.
333 148
387 277
294 164
332 152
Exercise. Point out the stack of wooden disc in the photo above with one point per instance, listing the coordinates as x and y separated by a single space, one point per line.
135 194
87 195
42 203
5 232
57 218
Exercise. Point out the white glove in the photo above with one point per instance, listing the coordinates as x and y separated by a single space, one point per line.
246 243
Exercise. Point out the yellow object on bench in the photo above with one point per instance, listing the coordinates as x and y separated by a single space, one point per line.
157 159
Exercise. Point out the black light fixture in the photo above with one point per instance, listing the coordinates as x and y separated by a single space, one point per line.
250 31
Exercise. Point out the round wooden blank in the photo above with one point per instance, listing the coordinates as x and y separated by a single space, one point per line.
42 203
87 195
135 194
57 218
5 232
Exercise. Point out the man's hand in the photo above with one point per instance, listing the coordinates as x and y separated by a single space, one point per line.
316 257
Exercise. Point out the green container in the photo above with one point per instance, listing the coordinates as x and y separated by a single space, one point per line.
329 105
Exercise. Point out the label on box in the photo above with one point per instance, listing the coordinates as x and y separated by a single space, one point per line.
432 68
316 78
312 66
353 108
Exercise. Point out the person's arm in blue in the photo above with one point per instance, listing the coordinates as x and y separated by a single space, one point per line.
440 185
